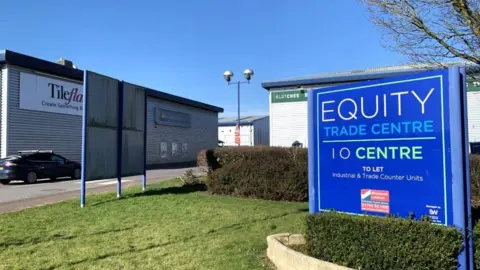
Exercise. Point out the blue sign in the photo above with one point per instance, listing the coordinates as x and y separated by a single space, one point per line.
395 146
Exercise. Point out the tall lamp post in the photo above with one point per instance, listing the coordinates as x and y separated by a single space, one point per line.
228 75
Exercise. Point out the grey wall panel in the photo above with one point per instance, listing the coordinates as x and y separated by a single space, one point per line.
102 122
102 98
133 130
132 153
261 130
133 107
101 153
202 134
40 130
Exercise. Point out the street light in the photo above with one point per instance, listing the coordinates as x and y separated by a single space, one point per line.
228 75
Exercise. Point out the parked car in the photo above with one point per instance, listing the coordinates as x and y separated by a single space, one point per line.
31 165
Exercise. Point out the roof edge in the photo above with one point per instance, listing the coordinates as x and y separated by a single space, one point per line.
349 77
30 62
182 100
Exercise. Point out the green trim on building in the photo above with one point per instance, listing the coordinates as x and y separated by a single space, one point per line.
289 96
473 85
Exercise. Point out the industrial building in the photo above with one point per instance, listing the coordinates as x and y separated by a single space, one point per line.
41 108
254 130
289 108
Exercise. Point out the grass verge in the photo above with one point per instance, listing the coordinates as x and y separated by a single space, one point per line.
167 227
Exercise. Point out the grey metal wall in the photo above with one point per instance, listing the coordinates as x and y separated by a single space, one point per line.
40 130
261 132
101 122
63 133
133 130
202 134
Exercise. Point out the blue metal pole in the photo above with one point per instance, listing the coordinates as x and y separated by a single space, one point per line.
312 189
467 196
458 160
144 177
84 138
238 116
120 139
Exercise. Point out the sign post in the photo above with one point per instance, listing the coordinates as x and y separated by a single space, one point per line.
237 135
392 146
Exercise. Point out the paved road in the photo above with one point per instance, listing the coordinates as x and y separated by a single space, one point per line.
17 191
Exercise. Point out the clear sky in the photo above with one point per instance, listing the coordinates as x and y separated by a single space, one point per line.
183 46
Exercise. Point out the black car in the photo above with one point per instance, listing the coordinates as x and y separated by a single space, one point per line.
37 164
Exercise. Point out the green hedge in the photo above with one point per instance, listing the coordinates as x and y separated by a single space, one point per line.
270 173
292 160
282 174
366 242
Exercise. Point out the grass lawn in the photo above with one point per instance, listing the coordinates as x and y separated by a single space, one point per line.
167 227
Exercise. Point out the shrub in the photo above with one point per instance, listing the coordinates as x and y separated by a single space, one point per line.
475 178
190 179
270 173
476 245
367 242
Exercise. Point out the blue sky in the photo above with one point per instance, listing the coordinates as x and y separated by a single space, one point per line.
183 46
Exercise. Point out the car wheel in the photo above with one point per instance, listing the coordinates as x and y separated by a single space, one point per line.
5 181
31 178
76 174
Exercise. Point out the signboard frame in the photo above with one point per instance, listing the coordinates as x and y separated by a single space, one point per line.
116 122
457 144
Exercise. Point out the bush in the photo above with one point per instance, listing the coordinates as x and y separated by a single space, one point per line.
190 179
367 242
476 246
475 178
270 173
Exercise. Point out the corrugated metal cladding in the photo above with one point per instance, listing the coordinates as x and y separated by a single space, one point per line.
288 123
201 134
3 88
473 103
29 129
40 130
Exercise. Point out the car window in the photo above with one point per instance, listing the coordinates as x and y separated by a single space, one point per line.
57 158
39 157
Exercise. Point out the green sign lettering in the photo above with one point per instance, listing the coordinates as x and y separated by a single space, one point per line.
289 96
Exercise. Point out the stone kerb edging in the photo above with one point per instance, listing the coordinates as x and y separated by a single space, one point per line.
286 258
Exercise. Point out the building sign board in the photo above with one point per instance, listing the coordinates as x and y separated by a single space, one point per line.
389 147
46 94
289 96
172 118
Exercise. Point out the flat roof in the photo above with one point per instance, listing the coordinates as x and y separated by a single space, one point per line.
362 75
29 62
246 120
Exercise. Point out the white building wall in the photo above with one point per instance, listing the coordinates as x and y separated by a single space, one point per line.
227 135
288 121
473 104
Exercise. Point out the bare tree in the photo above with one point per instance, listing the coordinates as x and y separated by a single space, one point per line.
429 31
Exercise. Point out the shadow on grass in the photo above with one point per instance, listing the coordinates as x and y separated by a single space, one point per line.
159 192
56 237
172 190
